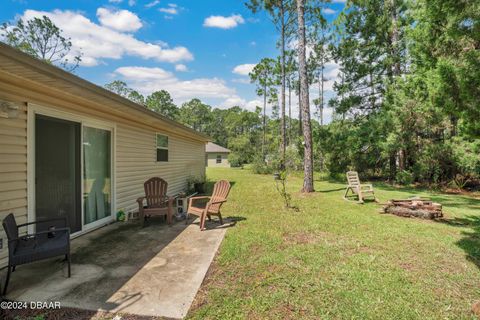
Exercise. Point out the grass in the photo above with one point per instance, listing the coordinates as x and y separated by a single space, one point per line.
340 260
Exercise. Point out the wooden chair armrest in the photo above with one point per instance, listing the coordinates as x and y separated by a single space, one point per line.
218 201
140 200
200 197
190 200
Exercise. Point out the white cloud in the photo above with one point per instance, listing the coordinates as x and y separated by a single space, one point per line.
121 20
131 3
233 102
168 10
98 42
339 1
240 102
244 69
223 22
181 68
148 80
171 9
329 11
253 104
152 4
115 1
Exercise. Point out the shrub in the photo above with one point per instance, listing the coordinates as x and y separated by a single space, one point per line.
293 160
404 177
234 160
259 166
435 163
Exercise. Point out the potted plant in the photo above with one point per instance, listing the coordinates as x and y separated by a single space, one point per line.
199 184
196 184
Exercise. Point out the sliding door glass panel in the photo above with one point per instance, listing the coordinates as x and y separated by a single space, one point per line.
96 174
57 171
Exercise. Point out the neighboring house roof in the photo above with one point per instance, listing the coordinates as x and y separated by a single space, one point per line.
23 66
212 147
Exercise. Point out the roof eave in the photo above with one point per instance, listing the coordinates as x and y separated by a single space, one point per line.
51 70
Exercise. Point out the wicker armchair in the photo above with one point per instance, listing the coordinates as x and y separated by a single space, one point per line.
38 246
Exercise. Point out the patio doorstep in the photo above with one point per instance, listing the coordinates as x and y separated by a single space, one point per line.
168 283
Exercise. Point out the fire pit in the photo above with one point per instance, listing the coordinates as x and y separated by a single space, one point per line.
417 207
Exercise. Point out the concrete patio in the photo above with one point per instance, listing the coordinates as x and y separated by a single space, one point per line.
151 271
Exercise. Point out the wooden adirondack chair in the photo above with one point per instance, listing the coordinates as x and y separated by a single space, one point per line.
158 203
358 189
212 207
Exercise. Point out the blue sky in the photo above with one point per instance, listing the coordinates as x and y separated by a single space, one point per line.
191 48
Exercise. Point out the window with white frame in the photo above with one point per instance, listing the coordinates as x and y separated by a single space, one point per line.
219 158
162 147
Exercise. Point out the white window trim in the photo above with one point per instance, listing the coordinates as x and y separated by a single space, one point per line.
34 109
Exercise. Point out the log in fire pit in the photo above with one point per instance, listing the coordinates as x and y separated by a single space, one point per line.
417 207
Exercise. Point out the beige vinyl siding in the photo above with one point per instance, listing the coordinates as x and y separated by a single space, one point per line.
134 139
13 172
212 160
136 162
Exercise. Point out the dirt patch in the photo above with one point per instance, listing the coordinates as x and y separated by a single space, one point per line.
305 237
303 195
68 314
359 248
407 266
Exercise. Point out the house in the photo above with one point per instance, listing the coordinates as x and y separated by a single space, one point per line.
216 156
69 148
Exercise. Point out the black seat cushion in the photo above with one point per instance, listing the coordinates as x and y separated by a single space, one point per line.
40 247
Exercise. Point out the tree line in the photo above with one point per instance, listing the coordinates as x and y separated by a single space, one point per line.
406 99
405 104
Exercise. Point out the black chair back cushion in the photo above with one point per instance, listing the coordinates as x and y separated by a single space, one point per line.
10 226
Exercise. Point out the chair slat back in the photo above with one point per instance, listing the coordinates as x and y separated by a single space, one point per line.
220 192
155 192
353 179
10 227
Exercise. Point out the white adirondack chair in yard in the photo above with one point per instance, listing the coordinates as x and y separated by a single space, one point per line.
358 189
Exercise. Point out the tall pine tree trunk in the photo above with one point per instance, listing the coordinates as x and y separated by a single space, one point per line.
322 93
264 121
394 73
304 100
282 107
289 111
300 116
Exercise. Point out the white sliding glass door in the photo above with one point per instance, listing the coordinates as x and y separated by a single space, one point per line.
97 175
70 170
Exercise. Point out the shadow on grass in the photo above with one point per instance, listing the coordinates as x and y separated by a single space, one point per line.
214 223
331 190
449 200
470 243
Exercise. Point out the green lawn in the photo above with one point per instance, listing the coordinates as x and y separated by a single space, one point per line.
339 260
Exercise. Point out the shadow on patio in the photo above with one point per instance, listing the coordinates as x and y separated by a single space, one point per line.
152 271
